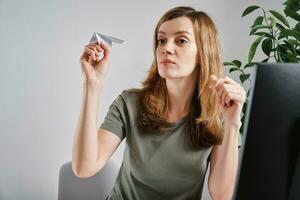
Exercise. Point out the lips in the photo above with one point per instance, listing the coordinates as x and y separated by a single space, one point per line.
167 61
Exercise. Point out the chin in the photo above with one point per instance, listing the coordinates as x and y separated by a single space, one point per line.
171 74
166 75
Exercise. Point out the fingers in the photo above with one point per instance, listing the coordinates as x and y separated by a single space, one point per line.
215 82
106 48
228 91
226 97
230 97
94 51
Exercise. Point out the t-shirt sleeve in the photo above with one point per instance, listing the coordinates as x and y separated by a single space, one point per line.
115 119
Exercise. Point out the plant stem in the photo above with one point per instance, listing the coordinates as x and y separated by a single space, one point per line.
272 33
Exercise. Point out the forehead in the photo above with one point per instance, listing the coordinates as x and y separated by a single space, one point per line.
172 26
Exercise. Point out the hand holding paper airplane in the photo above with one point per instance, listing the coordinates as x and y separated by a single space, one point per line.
95 58
98 37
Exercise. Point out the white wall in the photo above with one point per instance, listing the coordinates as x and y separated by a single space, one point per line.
41 80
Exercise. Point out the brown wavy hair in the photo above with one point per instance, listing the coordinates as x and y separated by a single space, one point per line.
206 121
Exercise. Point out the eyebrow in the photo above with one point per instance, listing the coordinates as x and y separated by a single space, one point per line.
178 32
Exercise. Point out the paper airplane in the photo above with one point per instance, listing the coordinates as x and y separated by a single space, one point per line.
98 37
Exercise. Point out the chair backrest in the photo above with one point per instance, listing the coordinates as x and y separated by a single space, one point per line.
97 187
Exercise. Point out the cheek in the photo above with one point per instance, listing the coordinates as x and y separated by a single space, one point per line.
157 53
190 57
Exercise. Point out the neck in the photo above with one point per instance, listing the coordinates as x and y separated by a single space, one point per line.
180 96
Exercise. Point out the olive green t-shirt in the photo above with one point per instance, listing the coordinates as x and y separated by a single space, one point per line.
155 165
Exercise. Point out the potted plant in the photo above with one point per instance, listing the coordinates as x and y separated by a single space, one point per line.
276 34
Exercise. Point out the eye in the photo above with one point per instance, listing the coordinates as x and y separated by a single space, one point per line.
182 41
160 41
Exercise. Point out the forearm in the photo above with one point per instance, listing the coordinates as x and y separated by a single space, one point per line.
223 175
85 146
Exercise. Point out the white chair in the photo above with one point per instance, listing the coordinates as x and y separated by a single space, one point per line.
97 187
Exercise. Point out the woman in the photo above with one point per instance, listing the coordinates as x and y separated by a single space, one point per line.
186 115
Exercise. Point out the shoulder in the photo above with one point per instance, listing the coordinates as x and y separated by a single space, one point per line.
128 98
131 94
131 91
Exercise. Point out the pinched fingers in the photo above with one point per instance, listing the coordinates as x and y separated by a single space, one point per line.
94 51
216 82
230 93
106 50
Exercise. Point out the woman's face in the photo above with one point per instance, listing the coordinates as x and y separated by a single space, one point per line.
176 51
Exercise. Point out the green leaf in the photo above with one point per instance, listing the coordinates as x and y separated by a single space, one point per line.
280 17
297 27
288 45
280 48
258 21
233 69
237 63
267 46
292 58
249 65
250 9
293 42
265 60
292 33
280 27
248 93
253 48
288 57
255 28
244 77
241 130
280 52
244 109
281 35
292 6
228 64
265 34
272 20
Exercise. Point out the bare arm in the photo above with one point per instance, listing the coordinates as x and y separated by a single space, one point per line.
92 148
224 164
224 158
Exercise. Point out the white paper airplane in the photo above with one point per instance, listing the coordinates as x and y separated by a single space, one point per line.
98 37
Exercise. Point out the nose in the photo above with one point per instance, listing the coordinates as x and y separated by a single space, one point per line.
167 48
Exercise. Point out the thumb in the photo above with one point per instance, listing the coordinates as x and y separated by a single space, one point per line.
212 80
